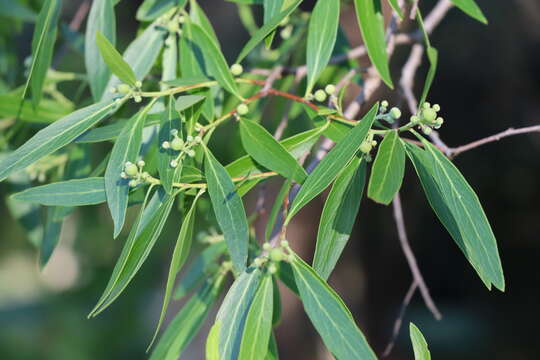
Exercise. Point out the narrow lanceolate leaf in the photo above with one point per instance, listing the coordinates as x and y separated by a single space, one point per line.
201 268
275 212
229 210
233 311
141 240
46 112
433 56
388 169
126 148
395 6
16 10
180 254
330 316
271 9
458 208
114 60
214 59
273 352
267 28
371 23
258 326
53 137
152 9
187 323
331 165
51 234
212 342
79 192
268 152
101 19
186 101
169 120
470 8
140 55
42 48
322 33
170 59
420 346
338 216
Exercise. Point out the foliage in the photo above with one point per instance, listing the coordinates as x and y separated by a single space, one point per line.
171 122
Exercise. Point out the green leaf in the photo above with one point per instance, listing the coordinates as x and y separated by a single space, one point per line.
186 101
338 216
197 16
395 5
258 326
51 234
330 166
388 169
169 120
79 192
229 210
268 152
126 148
322 33
102 20
271 9
54 137
266 29
114 60
460 211
152 9
371 21
201 268
433 56
273 352
42 48
170 59
214 60
187 323
233 311
212 342
179 256
274 213
470 8
140 242
420 346
47 111
16 10
330 316
140 55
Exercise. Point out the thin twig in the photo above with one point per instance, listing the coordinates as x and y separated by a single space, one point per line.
411 259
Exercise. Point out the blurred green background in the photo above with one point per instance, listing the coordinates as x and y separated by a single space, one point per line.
488 80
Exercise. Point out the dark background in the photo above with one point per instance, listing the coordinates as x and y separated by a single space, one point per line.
488 80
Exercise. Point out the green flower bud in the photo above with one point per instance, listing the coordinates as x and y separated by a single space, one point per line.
284 243
137 98
436 107
172 27
165 145
198 139
395 113
174 132
258 262
374 143
267 246
366 147
141 163
429 115
113 90
330 89
131 169
133 183
177 144
286 32
189 138
237 69
320 95
276 255
123 88
191 153
415 119
426 105
384 104
173 163
272 268
138 83
426 130
242 109
123 175
439 121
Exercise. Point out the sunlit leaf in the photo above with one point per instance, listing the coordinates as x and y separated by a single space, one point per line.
114 60
420 346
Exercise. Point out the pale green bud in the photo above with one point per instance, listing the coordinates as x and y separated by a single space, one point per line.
436 107
131 169
165 145
173 163
330 89
237 69
365 147
177 144
133 183
267 246
384 104
426 105
272 268
426 130
138 83
429 115
242 109
123 88
320 95
137 98
284 243
395 113
276 255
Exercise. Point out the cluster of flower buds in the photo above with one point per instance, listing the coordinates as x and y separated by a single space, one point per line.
388 116
125 89
321 95
135 173
427 118
273 256
210 237
185 147
367 145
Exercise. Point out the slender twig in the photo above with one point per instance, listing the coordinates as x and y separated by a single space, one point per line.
411 259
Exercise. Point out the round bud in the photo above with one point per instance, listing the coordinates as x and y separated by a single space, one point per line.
258 262
272 268
242 109
426 130
284 243
123 175
133 183
286 32
123 88
374 143
237 69
429 115
395 113
189 138
330 89
365 147
173 163
174 132
384 104
276 255
436 107
165 145
415 119
113 90
138 83
439 121
177 144
284 22
191 153
320 95
181 19
137 98
131 169
141 163
198 139
267 246
426 105
172 27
